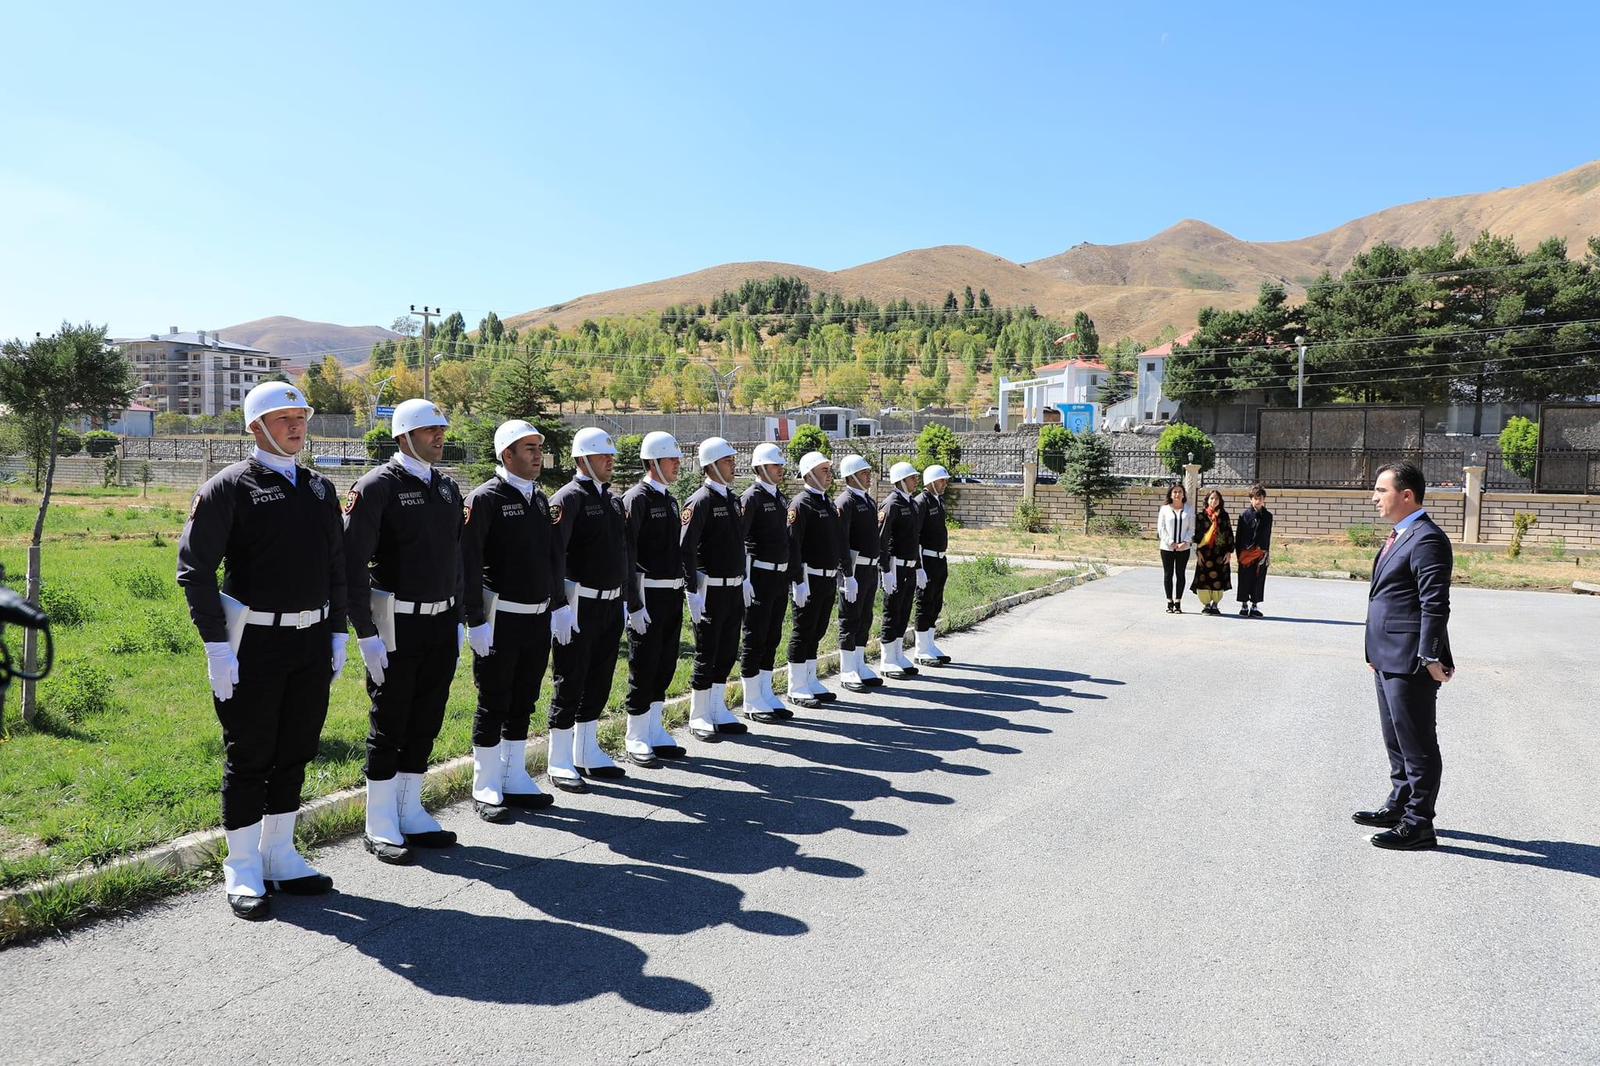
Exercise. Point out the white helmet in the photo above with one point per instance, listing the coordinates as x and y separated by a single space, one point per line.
270 396
900 471
851 465
935 473
768 454
416 414
511 432
715 449
811 460
592 440
659 445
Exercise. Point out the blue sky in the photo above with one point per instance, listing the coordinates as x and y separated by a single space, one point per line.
205 164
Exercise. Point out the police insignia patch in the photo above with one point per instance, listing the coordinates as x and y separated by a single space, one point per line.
444 490
350 501
687 513
319 488
194 505
466 512
555 514
791 517
883 514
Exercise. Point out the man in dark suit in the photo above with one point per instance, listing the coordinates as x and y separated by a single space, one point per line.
1408 650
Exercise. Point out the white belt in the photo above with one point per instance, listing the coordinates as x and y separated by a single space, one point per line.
910 564
724 582
413 607
662 582
929 553
288 619
814 572
587 593
512 607
868 565
759 565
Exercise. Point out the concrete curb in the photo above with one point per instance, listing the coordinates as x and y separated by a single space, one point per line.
194 850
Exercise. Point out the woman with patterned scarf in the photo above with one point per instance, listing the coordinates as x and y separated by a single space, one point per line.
1213 544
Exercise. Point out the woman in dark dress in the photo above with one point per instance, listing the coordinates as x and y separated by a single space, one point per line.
1213 547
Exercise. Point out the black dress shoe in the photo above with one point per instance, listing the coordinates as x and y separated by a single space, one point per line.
808 702
782 714
529 801
732 729
764 717
646 761
703 734
250 908
854 686
393 854
439 838
670 751
309 885
569 784
491 812
1407 836
1384 817
1255 612
603 773
825 696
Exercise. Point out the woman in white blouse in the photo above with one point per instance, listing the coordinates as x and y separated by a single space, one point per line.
1176 529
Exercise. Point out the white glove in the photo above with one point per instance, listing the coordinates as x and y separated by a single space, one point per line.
749 592
339 653
922 578
639 620
802 593
223 666
461 636
482 639
852 589
563 623
891 580
697 606
375 655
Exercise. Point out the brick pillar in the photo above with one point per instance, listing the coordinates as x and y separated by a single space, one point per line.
1472 519
1191 484
1030 478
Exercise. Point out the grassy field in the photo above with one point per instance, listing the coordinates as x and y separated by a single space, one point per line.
126 750
1539 567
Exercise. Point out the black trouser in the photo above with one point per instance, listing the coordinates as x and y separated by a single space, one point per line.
716 635
1173 565
408 708
811 621
1253 582
509 679
1408 706
586 665
897 606
271 725
930 600
855 619
653 658
763 621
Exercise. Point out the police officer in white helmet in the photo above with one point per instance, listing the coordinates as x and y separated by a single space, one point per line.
816 547
900 560
402 544
764 513
655 599
934 538
858 512
274 637
716 580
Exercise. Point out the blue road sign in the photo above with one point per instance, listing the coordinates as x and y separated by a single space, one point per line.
383 412
1077 417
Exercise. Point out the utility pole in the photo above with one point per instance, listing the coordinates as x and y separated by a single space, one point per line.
427 314
1301 341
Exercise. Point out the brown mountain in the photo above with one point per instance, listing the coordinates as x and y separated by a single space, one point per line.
1140 288
301 341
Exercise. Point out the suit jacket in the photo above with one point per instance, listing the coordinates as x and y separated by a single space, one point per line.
1408 607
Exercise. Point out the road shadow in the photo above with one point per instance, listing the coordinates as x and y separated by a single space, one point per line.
1001 694
1034 673
1561 855
1302 621
539 962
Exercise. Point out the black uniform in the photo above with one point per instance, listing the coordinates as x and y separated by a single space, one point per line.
763 512
816 543
899 535
1255 531
403 535
509 548
935 541
282 550
859 514
653 529
713 545
588 519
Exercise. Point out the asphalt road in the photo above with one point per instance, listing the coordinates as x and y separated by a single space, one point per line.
1106 834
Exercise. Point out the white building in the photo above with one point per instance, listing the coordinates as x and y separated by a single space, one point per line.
195 373
1149 403
1068 381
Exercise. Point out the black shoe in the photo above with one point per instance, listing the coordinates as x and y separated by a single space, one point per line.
670 751
250 908
703 734
732 729
491 812
764 717
1255 612
569 784
393 854
825 696
441 838
1407 836
1244 612
782 714
309 885
602 773
646 761
854 686
1385 817
1177 607
529 801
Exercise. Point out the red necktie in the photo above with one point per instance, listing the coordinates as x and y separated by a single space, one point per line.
1387 545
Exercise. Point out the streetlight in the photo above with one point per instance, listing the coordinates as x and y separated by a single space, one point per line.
1301 342
724 383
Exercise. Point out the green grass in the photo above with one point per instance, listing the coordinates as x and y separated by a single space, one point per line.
126 752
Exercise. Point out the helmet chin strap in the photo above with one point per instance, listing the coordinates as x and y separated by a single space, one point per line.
583 461
713 475
272 442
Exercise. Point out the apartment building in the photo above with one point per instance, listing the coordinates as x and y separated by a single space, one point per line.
195 373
